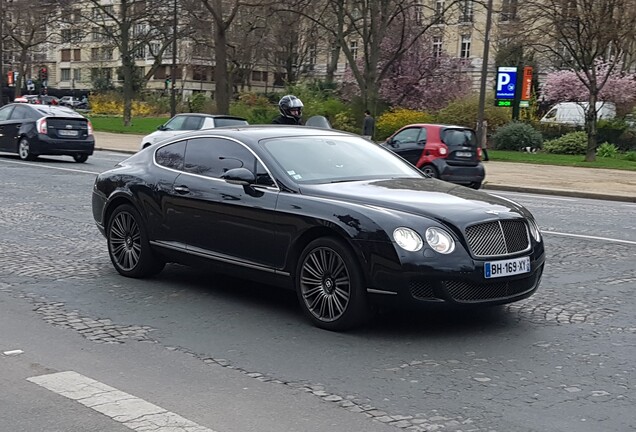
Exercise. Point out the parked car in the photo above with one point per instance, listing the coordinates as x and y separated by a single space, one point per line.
48 100
34 130
340 219
449 153
190 122
573 113
72 102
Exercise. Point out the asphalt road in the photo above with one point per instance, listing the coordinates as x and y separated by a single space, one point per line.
229 355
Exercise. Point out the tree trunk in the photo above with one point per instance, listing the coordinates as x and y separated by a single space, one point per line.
591 128
221 76
332 66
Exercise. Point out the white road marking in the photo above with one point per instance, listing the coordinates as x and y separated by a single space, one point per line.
131 411
13 352
590 237
39 165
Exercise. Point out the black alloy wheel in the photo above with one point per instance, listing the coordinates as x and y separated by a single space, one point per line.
330 285
128 245
429 171
24 150
80 158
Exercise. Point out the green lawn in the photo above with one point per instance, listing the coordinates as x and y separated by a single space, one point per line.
563 160
140 125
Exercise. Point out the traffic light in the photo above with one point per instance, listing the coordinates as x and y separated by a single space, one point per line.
44 74
167 82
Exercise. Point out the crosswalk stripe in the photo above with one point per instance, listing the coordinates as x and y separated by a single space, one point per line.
133 412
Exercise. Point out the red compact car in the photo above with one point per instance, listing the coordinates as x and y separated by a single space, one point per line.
450 153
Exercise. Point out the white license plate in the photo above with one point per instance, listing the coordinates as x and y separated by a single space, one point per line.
464 154
495 269
67 132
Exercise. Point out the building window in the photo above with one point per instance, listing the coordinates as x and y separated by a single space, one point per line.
107 53
77 75
71 35
96 34
353 47
101 73
439 11
419 13
77 55
437 46
65 74
66 55
466 13
199 73
508 10
464 50
139 53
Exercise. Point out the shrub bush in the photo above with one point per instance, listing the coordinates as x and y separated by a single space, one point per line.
517 135
550 131
256 109
197 103
611 130
607 150
113 104
627 141
345 121
464 112
574 143
630 156
394 119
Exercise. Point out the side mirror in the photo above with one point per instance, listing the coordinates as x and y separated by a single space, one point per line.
161 128
239 176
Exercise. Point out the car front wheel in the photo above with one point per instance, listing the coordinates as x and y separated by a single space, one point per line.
80 158
330 286
24 150
128 245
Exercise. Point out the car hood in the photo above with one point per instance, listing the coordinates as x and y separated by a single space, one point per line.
428 197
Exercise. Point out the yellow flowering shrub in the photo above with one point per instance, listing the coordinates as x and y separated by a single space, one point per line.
113 104
392 120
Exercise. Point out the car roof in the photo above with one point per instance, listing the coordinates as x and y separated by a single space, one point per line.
256 133
436 125
50 110
226 116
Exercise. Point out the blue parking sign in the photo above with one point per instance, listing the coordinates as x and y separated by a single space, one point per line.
506 82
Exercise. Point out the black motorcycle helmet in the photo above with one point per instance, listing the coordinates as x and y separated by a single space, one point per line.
290 106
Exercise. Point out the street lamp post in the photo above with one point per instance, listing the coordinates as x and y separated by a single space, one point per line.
482 87
173 70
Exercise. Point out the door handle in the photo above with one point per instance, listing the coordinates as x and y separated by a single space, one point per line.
182 190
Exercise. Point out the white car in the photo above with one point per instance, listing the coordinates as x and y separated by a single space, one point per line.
188 122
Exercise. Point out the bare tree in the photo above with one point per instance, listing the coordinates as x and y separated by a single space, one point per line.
359 27
27 30
577 35
134 28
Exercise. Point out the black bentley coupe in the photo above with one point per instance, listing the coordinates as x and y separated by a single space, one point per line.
339 219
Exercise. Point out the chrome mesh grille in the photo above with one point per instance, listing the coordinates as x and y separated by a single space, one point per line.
498 238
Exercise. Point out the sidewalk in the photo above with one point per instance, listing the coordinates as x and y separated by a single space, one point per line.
545 179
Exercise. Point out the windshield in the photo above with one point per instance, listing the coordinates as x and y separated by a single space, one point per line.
329 159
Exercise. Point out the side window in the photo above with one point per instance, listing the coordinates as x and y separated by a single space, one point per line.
408 135
172 155
212 157
19 113
5 112
175 123
421 139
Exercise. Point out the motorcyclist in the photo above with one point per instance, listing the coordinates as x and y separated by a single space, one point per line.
291 111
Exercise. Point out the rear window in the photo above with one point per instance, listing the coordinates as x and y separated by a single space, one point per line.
220 122
459 137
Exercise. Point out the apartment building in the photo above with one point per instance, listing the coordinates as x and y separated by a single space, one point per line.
80 52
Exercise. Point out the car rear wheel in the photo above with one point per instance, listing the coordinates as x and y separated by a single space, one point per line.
80 158
475 185
430 171
330 285
128 245
24 150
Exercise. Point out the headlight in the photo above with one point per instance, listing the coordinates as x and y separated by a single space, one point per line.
440 240
534 229
408 239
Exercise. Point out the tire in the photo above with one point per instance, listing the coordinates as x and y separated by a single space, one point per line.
430 171
128 245
24 150
475 185
80 158
330 286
